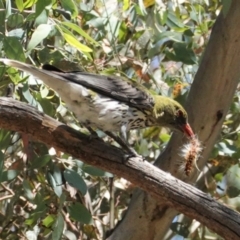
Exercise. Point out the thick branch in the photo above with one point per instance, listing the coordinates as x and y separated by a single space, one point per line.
17 116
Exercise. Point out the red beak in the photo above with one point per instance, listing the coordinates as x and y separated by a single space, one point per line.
187 130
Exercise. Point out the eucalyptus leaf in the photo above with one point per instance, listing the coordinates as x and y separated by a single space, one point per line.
95 171
75 180
15 20
39 34
58 228
14 49
1 165
70 6
19 4
233 181
79 213
79 31
9 175
56 182
75 43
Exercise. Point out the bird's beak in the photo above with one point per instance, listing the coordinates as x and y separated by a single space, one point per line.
187 130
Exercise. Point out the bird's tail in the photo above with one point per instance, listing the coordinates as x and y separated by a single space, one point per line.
46 76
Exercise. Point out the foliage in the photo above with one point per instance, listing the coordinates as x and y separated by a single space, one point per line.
48 194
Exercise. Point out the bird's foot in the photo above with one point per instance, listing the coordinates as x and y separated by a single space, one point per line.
127 156
10 90
93 135
130 151
131 154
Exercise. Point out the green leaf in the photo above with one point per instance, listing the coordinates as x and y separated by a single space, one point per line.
5 138
62 200
18 33
75 43
41 161
39 34
233 192
58 228
233 181
98 23
13 49
141 8
28 189
165 137
19 4
44 91
28 96
226 148
169 36
48 221
15 20
8 8
184 54
174 22
80 31
123 31
9 175
218 177
1 165
79 213
56 187
143 148
47 56
42 18
2 20
42 5
29 3
95 171
55 180
204 27
126 5
70 6
46 105
29 221
75 180
113 24
13 73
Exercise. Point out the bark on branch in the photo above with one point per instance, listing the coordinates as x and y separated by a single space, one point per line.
20 117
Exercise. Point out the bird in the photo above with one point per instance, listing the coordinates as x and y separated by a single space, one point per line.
110 103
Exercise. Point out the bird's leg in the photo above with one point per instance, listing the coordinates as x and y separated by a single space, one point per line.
92 132
123 144
10 90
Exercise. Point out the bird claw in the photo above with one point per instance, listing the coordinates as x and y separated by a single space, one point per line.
132 154
93 136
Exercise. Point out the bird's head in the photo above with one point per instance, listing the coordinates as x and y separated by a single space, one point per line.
171 114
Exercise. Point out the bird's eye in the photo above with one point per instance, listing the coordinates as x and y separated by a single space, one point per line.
180 117
179 113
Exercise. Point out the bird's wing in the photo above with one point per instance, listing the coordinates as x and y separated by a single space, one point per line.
110 86
113 87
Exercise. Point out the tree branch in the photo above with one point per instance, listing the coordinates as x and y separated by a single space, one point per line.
17 116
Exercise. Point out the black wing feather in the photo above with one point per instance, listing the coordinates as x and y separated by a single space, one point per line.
110 86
